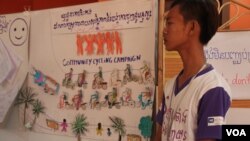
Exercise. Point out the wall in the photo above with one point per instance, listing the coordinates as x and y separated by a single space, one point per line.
244 20
14 6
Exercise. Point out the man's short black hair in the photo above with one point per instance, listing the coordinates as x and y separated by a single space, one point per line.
204 11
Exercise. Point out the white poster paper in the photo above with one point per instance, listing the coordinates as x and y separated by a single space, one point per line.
229 52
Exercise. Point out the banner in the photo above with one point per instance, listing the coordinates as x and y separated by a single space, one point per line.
229 52
94 18
93 64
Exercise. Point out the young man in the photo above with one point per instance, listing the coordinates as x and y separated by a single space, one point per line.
195 101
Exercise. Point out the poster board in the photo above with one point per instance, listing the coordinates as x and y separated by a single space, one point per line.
65 39
229 52
14 39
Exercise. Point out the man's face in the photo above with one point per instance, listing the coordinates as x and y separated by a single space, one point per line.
174 33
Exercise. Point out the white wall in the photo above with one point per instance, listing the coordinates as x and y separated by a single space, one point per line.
12 131
238 116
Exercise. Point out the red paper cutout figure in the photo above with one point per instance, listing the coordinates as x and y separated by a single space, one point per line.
79 43
118 43
110 41
89 39
99 39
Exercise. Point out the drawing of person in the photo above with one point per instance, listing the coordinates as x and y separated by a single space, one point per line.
127 71
77 99
64 125
109 132
69 75
99 129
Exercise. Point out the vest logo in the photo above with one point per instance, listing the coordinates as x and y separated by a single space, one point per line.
215 121
236 132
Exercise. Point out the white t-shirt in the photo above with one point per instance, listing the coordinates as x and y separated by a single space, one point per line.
197 109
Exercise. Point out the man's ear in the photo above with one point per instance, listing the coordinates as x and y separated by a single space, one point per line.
193 27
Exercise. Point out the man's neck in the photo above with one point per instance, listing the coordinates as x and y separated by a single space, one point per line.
193 61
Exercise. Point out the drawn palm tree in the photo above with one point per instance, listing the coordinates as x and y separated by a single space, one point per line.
79 126
119 126
26 97
38 108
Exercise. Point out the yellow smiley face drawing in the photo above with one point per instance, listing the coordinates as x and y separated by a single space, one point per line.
18 32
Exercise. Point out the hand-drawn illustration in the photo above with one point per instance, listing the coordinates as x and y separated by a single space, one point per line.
64 125
145 126
18 32
99 129
119 126
26 97
98 81
100 73
79 126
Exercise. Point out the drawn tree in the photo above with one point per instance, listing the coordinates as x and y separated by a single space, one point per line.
146 127
26 97
79 126
119 126
38 108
